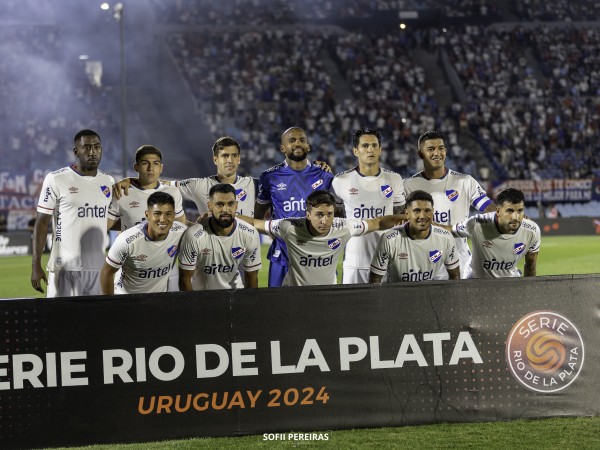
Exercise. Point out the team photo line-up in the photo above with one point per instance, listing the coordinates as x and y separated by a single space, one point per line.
389 229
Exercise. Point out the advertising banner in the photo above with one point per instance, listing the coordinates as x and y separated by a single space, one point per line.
555 190
224 363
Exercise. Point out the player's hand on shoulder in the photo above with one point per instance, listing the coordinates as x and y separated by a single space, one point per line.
203 219
121 185
323 166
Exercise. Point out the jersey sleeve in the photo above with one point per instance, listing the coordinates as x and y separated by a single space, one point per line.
536 240
188 250
187 187
465 228
451 261
118 252
252 258
356 227
479 198
381 257
277 227
113 209
48 196
178 203
400 197
264 193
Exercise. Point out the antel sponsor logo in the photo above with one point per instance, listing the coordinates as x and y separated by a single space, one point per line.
545 351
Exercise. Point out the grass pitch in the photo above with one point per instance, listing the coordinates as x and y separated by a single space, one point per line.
559 255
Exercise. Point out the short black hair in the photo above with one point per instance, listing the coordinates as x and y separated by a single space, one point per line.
510 195
419 196
147 150
85 132
223 142
221 188
317 198
161 198
362 132
431 134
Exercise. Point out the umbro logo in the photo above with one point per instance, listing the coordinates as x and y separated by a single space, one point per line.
281 187
134 204
141 257
487 244
206 251
353 191
403 256
73 190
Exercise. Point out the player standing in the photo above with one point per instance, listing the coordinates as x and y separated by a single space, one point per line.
500 240
417 250
145 253
212 253
131 210
367 191
284 189
76 199
453 193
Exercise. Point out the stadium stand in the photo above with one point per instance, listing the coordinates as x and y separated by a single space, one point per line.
517 100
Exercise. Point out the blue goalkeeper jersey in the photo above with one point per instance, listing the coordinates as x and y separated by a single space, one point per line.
286 190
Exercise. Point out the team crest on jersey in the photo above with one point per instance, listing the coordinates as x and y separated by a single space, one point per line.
452 195
141 257
387 191
316 184
435 256
353 191
281 187
106 191
237 252
487 244
334 243
241 195
134 204
519 247
172 250
73 190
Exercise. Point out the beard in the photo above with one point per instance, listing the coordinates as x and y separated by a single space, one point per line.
225 221
295 157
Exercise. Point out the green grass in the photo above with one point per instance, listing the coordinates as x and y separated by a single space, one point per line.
560 255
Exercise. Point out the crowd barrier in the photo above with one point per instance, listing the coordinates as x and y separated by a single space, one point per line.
223 363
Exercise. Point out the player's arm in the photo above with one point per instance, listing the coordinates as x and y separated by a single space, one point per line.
185 279
121 185
251 279
40 231
491 208
259 224
260 209
454 274
375 278
114 224
107 279
383 222
530 268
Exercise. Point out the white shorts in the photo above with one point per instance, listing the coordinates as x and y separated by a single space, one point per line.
353 275
70 283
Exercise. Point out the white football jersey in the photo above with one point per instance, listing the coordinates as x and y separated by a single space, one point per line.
496 255
217 259
367 197
453 195
196 189
131 208
79 208
145 264
313 259
403 258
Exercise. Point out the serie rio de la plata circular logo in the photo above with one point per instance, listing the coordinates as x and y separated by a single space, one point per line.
545 351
